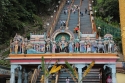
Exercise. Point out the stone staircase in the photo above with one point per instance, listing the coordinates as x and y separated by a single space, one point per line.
85 22
62 16
92 77
39 77
73 21
62 77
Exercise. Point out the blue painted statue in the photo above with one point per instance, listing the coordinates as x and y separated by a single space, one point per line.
70 46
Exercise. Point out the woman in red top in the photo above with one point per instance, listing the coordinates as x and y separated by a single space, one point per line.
76 29
109 79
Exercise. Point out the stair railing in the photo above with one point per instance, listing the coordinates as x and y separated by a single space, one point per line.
79 22
35 76
69 12
57 77
56 16
92 21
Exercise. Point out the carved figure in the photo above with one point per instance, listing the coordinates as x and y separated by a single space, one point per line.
82 46
111 46
22 47
101 47
16 47
115 48
77 47
88 48
37 47
42 48
65 47
94 46
106 45
70 46
63 44
53 47
48 47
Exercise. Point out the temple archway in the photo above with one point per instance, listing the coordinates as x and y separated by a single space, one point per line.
61 35
58 33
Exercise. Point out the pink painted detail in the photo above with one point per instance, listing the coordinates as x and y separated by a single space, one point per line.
63 60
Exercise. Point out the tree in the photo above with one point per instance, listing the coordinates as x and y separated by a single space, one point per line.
109 8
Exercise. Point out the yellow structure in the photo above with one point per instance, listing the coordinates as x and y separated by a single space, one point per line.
122 21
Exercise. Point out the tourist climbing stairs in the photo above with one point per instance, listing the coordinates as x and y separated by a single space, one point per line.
63 76
85 22
62 16
74 16
93 76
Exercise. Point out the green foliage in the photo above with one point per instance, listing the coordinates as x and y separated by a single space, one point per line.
108 29
6 53
43 65
17 14
45 1
5 63
38 22
108 8
70 67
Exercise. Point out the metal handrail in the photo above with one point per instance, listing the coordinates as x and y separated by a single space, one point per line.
57 77
35 76
92 22
79 21
67 21
56 16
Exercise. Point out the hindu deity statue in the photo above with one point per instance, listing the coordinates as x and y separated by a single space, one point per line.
71 45
63 44
54 46
48 47
16 47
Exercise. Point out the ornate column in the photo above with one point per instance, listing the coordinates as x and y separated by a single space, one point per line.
80 66
25 76
13 67
20 74
113 70
113 67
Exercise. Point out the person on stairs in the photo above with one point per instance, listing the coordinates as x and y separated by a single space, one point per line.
53 78
109 79
76 29
67 80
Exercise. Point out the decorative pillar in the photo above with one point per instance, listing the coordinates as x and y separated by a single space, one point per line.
113 67
113 70
80 66
13 67
20 74
25 76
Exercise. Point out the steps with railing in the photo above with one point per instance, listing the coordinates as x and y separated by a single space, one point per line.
62 16
92 76
85 19
35 76
74 18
